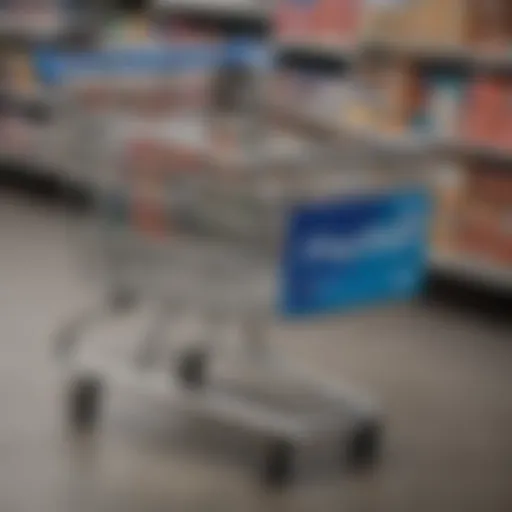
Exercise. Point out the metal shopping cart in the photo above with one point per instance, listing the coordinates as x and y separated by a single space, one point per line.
239 241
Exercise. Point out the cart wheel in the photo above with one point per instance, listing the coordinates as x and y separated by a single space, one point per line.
279 464
192 369
85 403
364 446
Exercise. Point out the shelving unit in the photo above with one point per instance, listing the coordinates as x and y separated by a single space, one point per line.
498 155
470 269
410 54
19 37
344 54
223 8
475 60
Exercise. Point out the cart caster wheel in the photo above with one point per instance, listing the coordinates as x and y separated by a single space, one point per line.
279 465
85 403
365 446
192 369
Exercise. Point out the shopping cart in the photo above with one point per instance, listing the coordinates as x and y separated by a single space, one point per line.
240 241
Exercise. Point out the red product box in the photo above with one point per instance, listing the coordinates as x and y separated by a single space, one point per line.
481 123
502 237
328 20
490 186
333 21
351 18
486 221
296 19
505 140
475 230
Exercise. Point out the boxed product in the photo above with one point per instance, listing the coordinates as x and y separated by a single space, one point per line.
339 20
386 98
326 21
403 93
490 24
441 110
449 188
382 21
486 229
437 22
490 185
418 22
295 19
505 138
481 119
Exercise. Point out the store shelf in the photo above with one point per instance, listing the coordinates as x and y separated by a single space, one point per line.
56 35
316 126
480 151
466 57
253 9
320 50
472 270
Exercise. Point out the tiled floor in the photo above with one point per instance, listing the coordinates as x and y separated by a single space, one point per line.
444 380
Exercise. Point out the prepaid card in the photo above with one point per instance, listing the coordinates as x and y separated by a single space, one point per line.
355 251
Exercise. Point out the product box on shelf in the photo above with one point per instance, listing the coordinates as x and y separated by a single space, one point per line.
441 24
493 186
417 23
382 20
505 122
450 181
483 110
320 21
403 93
486 215
386 98
442 103
490 24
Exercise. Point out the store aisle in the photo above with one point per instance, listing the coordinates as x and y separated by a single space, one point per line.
443 379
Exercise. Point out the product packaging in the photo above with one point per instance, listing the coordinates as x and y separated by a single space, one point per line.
486 218
442 108
449 187
483 110
335 22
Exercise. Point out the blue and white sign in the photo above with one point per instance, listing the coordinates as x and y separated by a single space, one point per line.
355 251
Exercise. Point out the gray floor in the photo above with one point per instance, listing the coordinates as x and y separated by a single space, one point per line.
443 379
